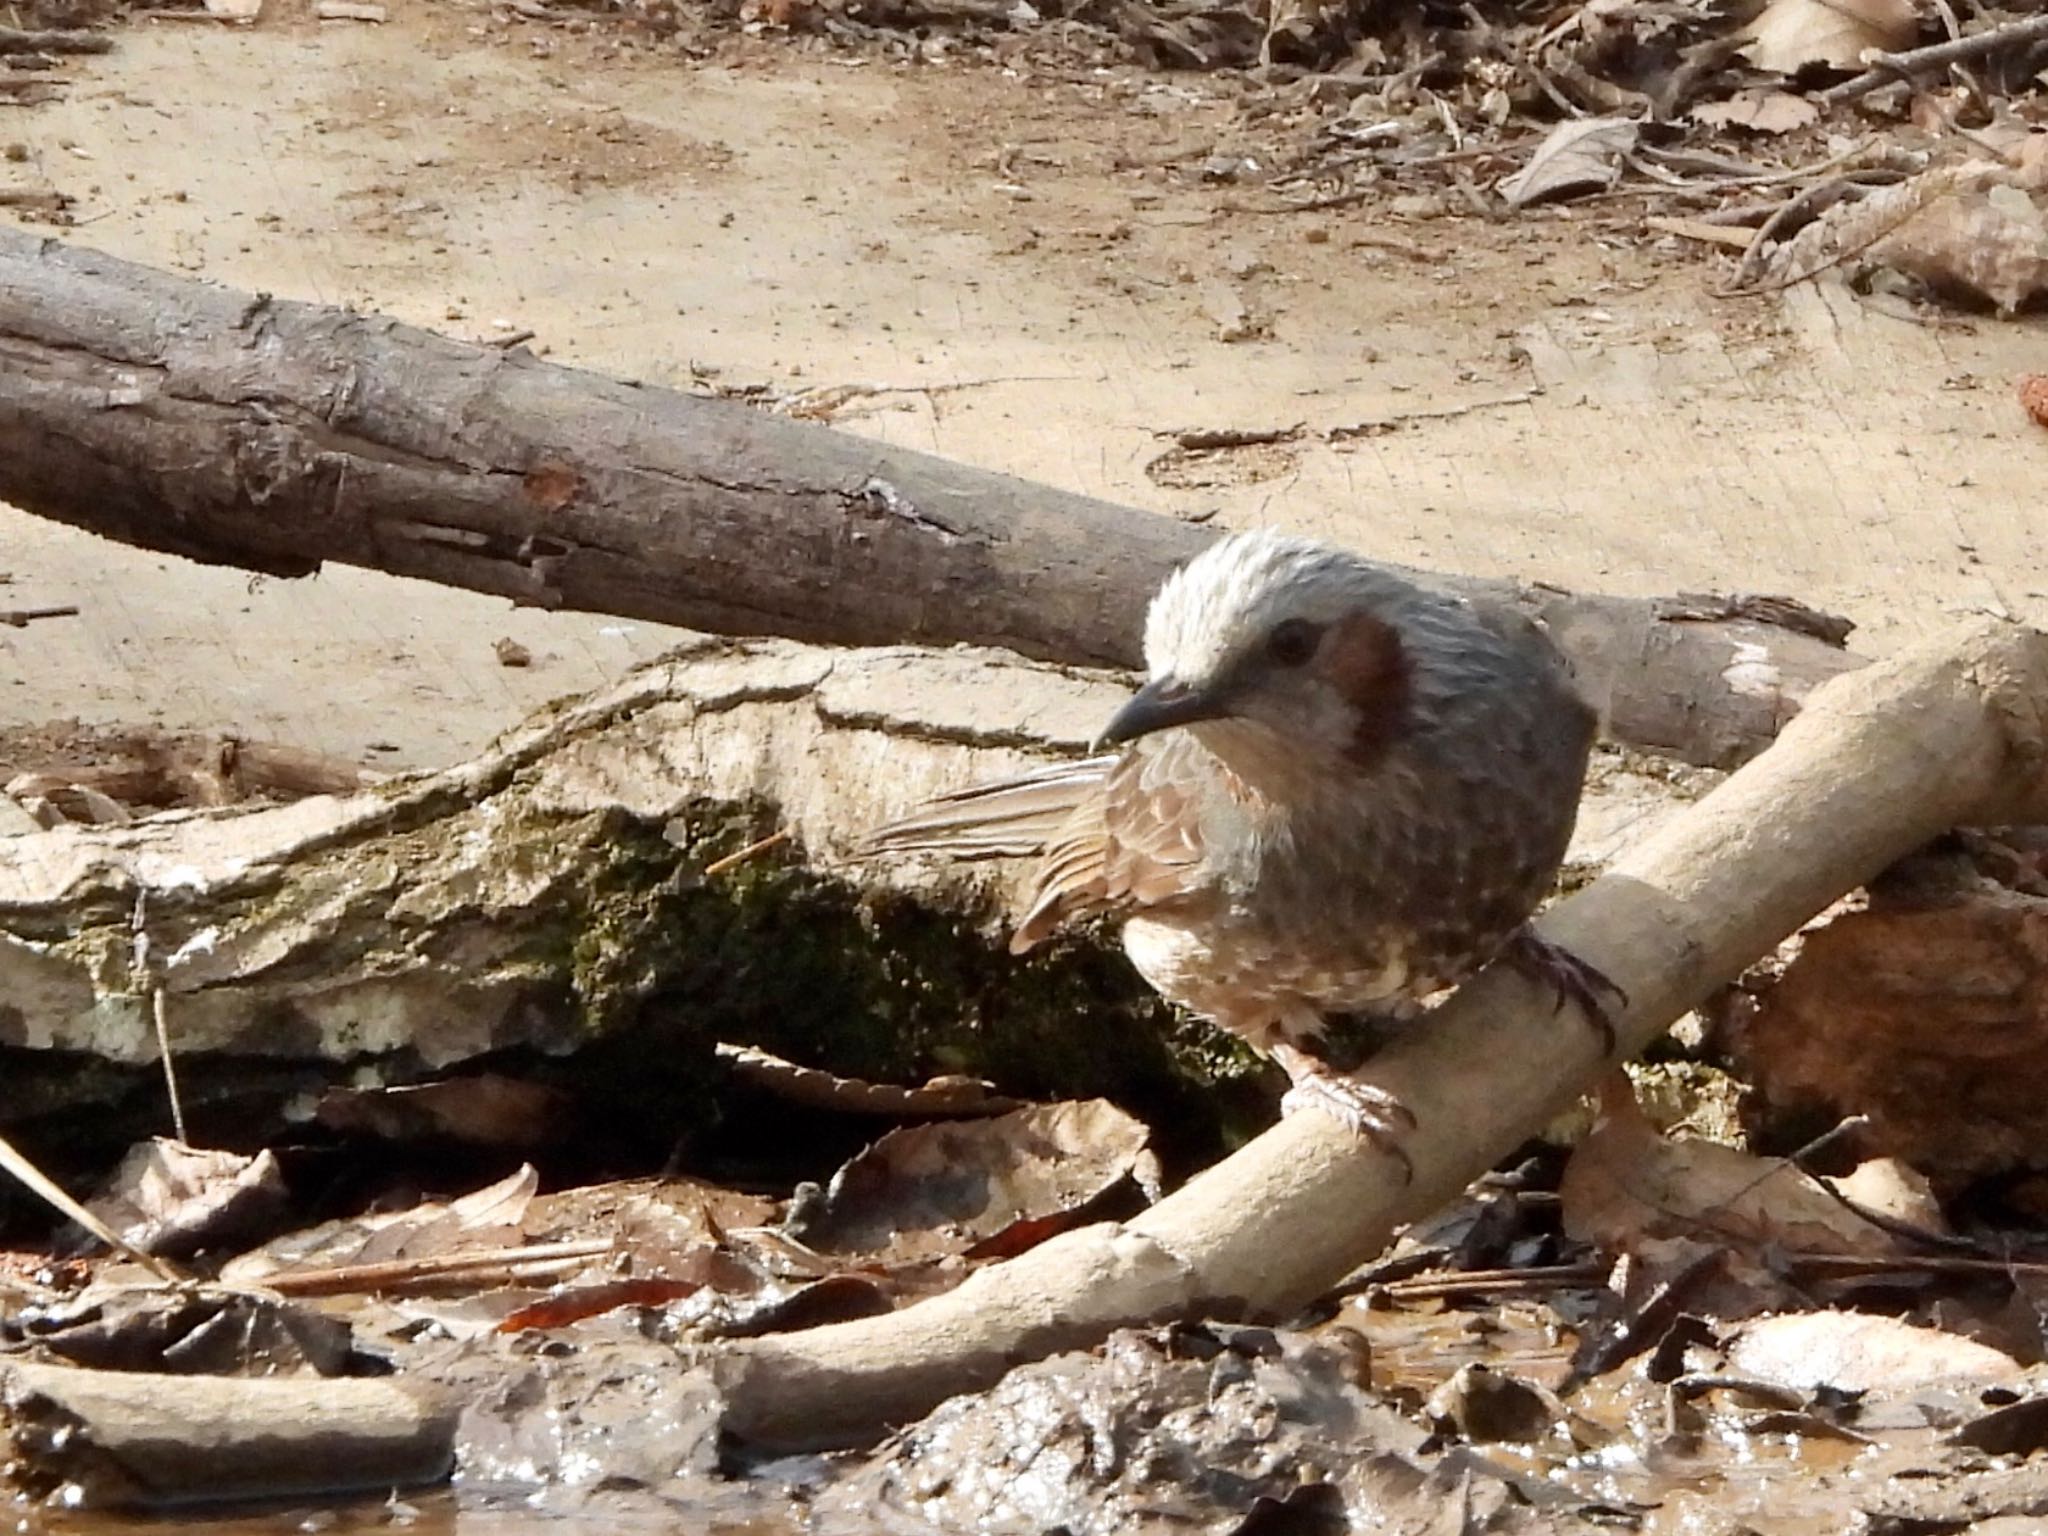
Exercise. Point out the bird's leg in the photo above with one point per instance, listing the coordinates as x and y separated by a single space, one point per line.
1575 981
1368 1111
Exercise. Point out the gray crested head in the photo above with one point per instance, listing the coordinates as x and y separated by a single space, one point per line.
1270 640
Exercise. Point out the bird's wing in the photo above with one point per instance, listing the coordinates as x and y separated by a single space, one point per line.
1005 818
1135 845
1118 833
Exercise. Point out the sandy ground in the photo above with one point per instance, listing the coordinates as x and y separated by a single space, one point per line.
1008 255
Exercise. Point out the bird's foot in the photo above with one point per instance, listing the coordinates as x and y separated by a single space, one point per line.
1574 981
1361 1107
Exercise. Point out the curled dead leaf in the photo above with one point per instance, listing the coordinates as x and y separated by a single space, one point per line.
1760 111
948 1187
1627 1188
1579 156
173 1199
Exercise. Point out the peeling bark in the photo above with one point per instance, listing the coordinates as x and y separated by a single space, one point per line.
238 429
554 891
566 889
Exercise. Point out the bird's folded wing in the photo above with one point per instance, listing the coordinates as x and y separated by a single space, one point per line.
1005 818
1134 846
1119 833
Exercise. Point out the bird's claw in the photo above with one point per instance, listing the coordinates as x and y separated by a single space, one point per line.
1359 1106
1574 981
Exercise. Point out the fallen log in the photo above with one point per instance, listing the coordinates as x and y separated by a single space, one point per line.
115 1439
240 429
1952 731
678 835
549 894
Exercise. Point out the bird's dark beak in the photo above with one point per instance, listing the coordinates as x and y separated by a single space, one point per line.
1160 704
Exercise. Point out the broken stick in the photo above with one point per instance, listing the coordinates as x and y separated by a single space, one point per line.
1949 732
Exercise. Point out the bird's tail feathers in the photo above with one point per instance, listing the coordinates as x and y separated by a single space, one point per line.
1005 818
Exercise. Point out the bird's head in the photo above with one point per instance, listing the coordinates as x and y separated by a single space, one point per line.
1277 644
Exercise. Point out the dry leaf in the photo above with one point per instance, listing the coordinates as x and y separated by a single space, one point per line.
1791 34
1580 156
1857 1352
1893 1189
173 1199
943 1188
1759 110
1626 1186
486 1218
486 1110
1993 257
1985 241
199 1331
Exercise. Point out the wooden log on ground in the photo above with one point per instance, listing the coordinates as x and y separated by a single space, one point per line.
1952 731
238 429
108 1439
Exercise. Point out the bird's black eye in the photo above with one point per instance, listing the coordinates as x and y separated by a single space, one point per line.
1293 642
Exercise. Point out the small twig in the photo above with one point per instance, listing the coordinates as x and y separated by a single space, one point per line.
1891 1225
1443 413
1888 67
147 984
1700 230
734 860
819 1089
394 1274
1773 1393
1801 210
1935 1263
21 618
40 1183
163 1046
1542 1277
511 339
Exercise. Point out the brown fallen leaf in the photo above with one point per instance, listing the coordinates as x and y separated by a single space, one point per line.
1861 1352
1760 111
1626 1188
485 1110
202 1331
575 1303
485 1218
1986 241
1583 155
1974 228
937 1189
1791 34
173 1199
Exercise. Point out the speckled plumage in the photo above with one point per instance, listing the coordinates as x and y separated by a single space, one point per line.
1344 834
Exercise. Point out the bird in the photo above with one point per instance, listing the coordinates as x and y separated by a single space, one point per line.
1338 792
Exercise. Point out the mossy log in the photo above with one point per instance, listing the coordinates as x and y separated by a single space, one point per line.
573 886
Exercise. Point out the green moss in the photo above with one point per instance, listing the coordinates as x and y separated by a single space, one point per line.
772 953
